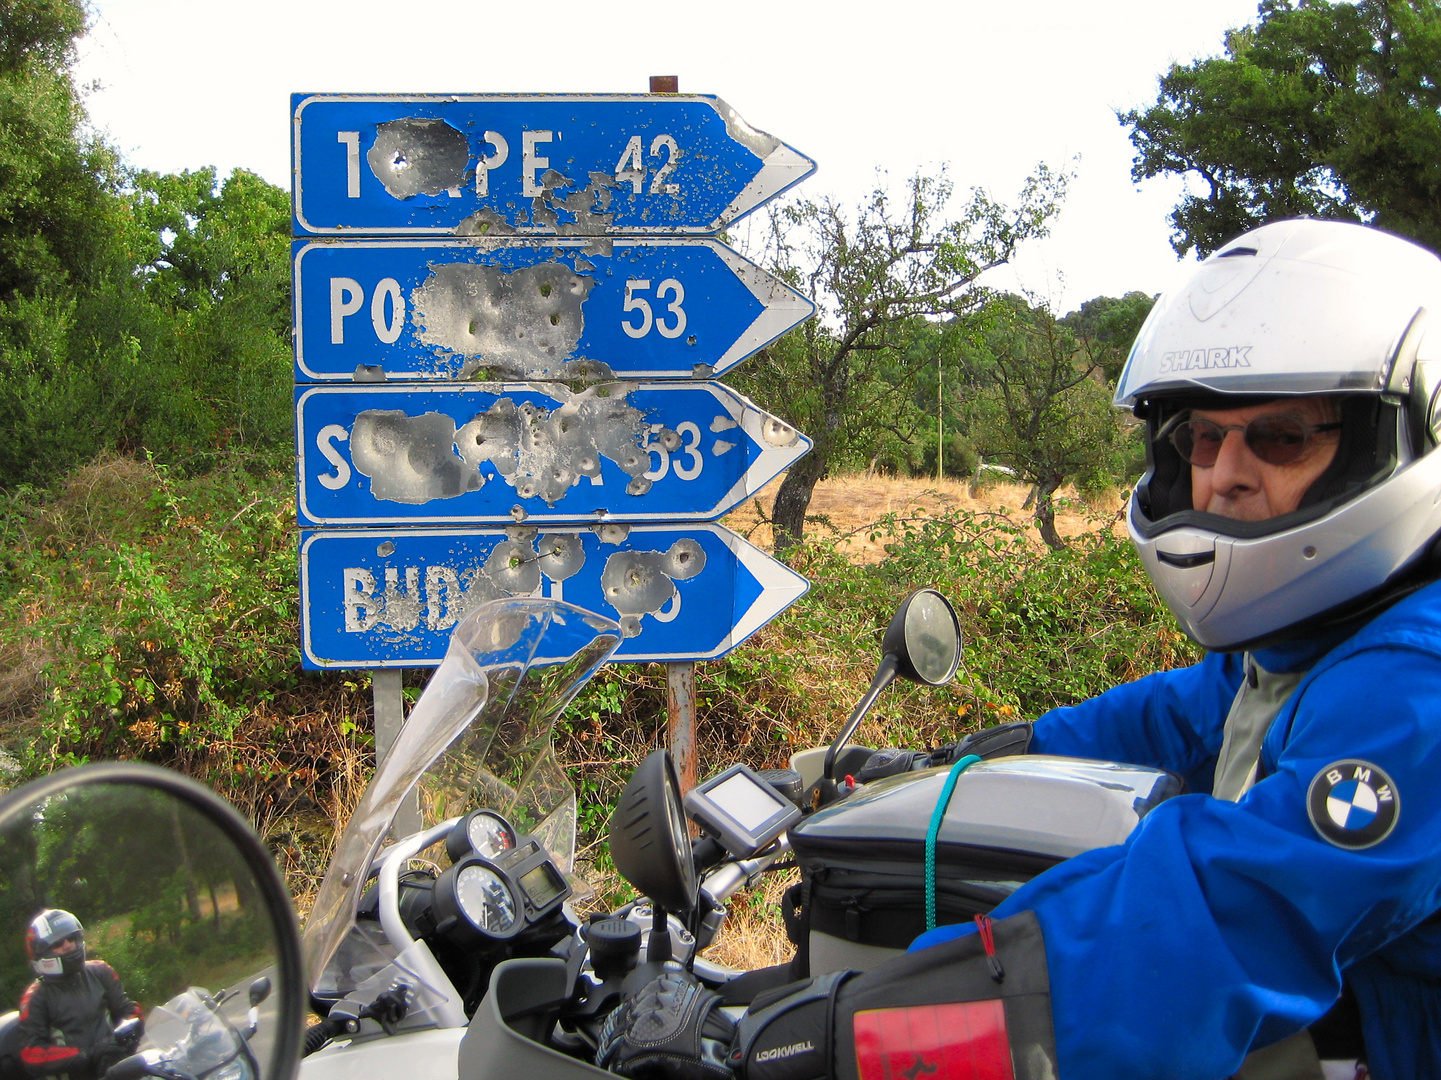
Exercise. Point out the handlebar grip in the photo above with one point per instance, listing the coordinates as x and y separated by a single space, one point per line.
130 1068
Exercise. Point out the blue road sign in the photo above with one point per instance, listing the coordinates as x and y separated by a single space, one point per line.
371 598
492 165
494 453
519 309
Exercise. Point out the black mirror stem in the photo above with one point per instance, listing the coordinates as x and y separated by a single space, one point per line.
885 675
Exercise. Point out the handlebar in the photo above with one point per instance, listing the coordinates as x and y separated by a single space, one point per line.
418 961
725 880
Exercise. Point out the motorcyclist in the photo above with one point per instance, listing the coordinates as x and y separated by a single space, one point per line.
1288 517
1305 562
68 1015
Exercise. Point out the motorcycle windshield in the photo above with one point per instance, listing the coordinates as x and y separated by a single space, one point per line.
480 736
188 1032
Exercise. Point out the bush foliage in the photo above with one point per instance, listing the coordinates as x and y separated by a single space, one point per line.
150 615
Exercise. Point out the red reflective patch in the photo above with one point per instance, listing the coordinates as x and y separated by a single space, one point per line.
964 1040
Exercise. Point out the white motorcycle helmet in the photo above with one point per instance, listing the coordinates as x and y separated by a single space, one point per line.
1294 308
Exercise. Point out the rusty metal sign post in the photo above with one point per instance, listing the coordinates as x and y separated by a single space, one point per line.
529 302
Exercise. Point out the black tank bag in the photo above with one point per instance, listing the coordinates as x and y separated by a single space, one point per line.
862 860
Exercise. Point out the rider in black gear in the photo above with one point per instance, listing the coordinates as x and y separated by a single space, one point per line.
68 1015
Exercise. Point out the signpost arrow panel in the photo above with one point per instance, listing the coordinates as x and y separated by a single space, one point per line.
493 165
372 598
518 309
481 453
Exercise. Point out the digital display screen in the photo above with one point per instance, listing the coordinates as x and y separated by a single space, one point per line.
542 885
746 803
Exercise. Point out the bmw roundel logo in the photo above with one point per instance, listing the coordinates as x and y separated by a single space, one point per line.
1353 804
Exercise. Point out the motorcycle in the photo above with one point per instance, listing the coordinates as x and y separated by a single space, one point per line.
191 1037
456 949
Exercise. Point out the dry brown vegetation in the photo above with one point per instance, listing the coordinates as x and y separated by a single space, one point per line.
849 505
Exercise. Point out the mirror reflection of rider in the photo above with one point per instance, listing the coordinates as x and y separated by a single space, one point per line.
68 1015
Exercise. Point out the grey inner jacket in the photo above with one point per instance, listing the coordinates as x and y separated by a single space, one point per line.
1256 704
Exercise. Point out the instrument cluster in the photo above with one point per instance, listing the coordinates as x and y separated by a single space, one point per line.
499 881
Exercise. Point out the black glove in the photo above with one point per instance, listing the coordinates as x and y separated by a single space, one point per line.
107 1054
670 1030
992 742
129 1033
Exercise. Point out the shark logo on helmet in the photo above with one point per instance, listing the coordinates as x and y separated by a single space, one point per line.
1230 356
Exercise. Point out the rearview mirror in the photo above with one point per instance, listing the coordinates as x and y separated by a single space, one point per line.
174 893
925 638
922 644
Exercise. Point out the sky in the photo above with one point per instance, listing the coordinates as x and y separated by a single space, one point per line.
872 93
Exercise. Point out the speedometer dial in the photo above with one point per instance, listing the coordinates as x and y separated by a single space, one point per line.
485 899
489 835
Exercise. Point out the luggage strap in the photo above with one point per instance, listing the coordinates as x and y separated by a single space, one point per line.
937 816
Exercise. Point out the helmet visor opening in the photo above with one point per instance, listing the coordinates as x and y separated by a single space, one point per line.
1365 453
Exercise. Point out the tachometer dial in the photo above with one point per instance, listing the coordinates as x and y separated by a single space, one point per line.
489 835
481 832
485 899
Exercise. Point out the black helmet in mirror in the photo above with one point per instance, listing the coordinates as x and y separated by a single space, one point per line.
158 937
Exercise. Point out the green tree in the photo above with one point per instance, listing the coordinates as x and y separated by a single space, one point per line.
137 311
1106 326
63 235
872 275
1321 107
181 351
58 181
1044 408
215 264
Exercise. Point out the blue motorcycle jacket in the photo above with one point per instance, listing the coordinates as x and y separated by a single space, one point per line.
1223 927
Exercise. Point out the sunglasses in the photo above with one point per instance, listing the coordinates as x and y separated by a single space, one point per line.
1276 440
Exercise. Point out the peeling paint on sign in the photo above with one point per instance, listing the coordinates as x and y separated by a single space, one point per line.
541 453
447 594
778 433
409 459
390 599
638 583
584 210
562 165
635 583
522 309
626 450
418 157
513 319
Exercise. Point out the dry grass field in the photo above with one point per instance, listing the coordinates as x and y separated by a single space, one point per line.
850 504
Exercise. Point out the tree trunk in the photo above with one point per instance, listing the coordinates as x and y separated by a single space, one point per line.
788 514
192 894
1046 515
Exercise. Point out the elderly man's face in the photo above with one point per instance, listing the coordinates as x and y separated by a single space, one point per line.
1240 485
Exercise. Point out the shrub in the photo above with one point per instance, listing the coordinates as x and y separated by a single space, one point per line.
145 614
